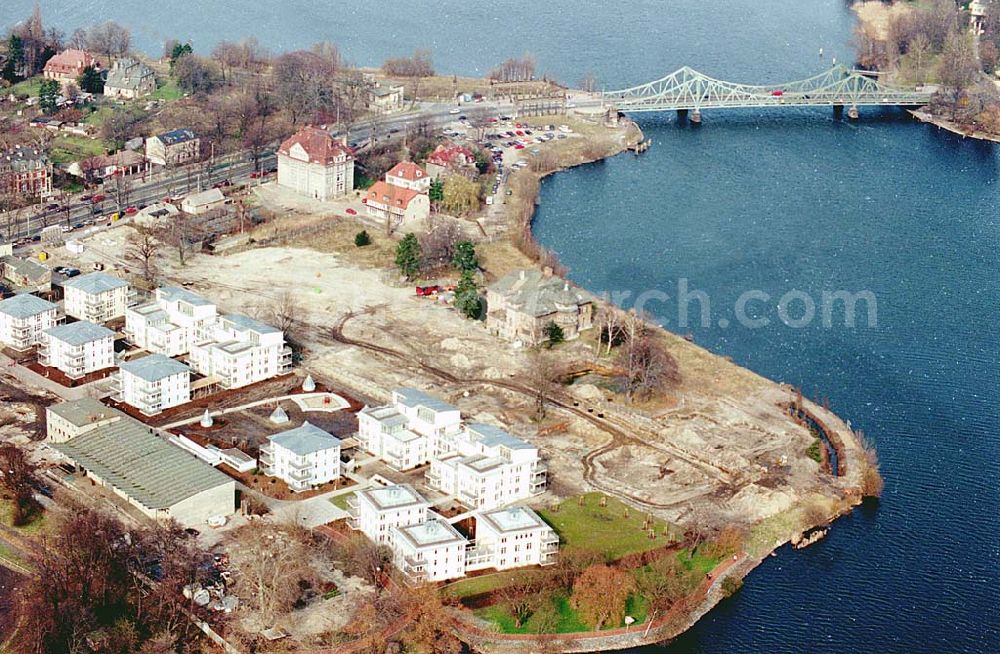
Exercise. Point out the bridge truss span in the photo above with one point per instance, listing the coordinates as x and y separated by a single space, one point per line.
687 89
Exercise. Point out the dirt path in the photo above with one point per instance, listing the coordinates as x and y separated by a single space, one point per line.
617 437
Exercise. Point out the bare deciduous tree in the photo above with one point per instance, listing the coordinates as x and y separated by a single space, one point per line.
645 365
274 564
110 39
17 475
142 248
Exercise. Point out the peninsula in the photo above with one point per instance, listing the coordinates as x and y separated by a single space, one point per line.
284 345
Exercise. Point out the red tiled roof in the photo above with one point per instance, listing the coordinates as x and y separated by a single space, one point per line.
408 171
71 62
444 155
394 196
318 144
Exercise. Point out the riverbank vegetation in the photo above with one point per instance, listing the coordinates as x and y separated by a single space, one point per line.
936 42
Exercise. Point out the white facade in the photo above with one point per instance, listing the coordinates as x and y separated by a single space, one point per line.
430 551
312 163
408 432
97 297
77 348
169 324
240 351
302 457
485 467
409 175
23 319
511 538
153 383
375 512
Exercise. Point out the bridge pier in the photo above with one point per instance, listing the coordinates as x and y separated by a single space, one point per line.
838 111
852 113
696 117
682 114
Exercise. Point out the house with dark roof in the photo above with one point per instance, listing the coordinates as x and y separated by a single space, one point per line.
173 148
523 303
314 164
129 79
156 477
303 457
26 171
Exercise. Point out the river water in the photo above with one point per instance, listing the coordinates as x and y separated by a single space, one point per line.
766 202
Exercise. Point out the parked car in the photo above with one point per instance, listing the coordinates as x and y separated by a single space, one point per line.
97 198
51 207
424 291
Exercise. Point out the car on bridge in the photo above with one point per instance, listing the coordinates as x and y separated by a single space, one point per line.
777 93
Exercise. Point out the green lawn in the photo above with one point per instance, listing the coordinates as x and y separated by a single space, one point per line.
167 91
567 620
698 561
69 147
97 117
340 501
482 584
605 528
29 87
36 524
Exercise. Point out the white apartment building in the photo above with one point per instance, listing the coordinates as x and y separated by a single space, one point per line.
430 551
303 457
485 467
406 433
240 351
77 348
171 322
97 297
375 512
23 319
153 383
511 538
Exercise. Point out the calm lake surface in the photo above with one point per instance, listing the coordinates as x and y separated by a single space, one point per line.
754 200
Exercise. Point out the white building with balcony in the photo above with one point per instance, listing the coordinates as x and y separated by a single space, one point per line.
23 319
97 297
511 538
153 383
171 323
303 457
77 348
429 551
408 432
240 351
485 467
375 512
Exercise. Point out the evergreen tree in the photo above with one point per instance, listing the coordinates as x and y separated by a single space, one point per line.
90 81
482 162
467 298
554 334
362 239
408 256
15 58
465 258
436 192
179 50
48 93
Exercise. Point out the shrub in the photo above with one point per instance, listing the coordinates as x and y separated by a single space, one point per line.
361 239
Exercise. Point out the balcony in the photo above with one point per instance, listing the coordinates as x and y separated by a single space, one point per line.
301 475
265 457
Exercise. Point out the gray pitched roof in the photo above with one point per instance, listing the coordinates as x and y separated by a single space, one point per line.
25 306
174 293
142 465
246 323
84 411
128 74
95 282
305 439
26 267
78 333
538 294
413 397
491 436
154 367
